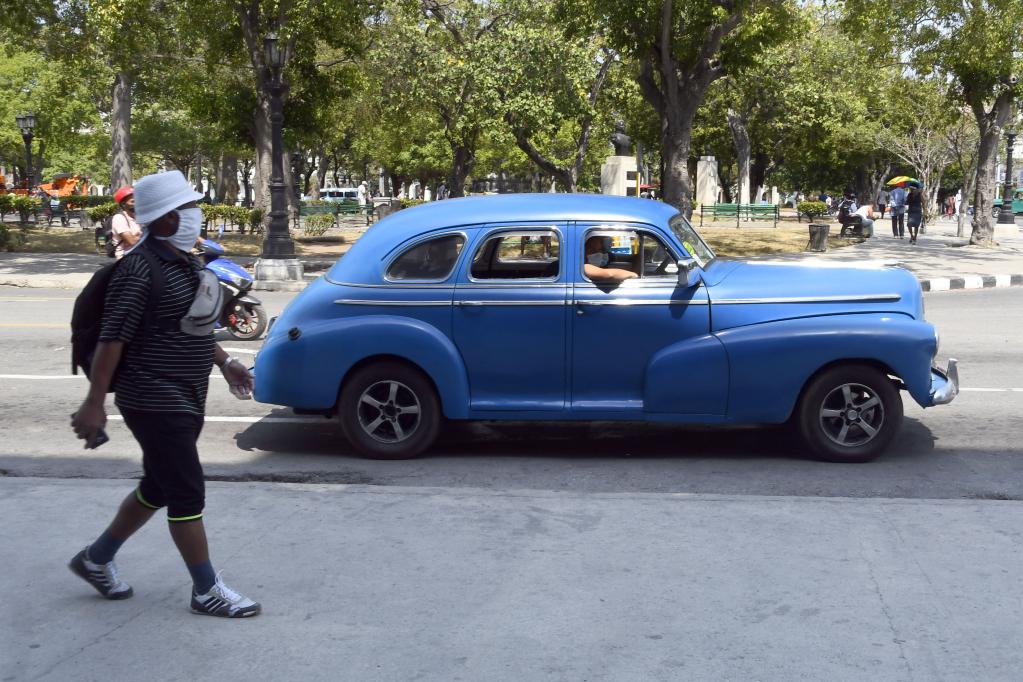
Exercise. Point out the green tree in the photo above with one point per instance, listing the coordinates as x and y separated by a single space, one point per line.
976 46
681 48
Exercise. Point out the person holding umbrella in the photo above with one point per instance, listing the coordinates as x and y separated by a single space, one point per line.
897 199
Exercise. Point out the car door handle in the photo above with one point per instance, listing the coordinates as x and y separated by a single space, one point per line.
467 304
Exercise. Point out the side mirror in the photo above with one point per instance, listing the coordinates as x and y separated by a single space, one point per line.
688 273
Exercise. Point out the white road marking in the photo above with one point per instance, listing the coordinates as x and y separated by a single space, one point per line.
241 350
42 377
254 420
33 300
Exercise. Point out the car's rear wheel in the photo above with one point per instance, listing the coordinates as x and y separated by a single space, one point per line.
849 413
389 410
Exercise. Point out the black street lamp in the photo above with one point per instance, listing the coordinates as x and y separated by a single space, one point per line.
27 124
278 243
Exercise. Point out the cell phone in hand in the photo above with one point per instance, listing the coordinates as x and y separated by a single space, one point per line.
97 440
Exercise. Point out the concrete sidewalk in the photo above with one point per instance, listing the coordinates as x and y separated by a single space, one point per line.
940 261
377 583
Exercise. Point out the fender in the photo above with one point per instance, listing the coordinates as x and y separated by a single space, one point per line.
328 349
688 377
771 362
248 298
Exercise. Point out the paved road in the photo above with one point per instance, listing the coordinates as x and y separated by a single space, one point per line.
524 552
967 450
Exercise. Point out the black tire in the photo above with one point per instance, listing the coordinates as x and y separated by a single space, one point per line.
376 411
250 332
849 413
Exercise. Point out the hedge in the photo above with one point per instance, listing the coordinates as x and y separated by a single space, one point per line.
225 214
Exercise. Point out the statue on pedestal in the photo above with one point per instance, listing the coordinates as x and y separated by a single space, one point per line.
622 142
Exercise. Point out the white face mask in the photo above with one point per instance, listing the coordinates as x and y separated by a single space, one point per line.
189 226
598 259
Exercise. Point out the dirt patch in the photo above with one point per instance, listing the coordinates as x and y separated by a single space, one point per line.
762 241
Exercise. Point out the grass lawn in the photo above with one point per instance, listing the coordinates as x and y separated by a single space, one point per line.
725 240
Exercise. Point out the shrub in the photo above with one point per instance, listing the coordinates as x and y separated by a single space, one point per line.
25 206
11 239
98 214
6 204
409 203
812 209
256 219
315 202
83 201
318 224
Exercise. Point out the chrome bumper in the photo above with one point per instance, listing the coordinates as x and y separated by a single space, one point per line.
945 384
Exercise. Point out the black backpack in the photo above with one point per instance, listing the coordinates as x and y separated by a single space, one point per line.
87 316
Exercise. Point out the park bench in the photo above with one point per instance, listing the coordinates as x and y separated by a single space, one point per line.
347 208
749 211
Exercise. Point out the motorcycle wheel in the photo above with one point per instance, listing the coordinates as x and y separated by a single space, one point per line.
237 328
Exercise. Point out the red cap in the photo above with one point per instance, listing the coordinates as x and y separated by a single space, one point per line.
123 193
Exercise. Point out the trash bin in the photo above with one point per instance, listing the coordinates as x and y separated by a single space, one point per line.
818 237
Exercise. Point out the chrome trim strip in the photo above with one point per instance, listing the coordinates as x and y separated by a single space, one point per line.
357 301
509 303
812 299
409 285
633 301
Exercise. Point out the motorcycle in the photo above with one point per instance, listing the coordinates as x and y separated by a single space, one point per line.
243 315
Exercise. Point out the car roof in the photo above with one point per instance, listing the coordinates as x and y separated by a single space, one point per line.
363 261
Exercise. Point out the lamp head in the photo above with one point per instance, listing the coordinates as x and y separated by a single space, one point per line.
272 53
26 122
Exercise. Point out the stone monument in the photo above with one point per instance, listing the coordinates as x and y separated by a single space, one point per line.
618 174
707 184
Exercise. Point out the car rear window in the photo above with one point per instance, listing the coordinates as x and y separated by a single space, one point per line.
530 254
431 260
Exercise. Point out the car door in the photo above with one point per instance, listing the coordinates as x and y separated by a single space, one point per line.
510 310
617 328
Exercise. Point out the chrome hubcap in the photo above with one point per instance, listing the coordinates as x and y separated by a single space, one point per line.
851 415
389 412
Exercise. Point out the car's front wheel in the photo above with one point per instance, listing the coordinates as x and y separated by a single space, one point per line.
389 410
849 413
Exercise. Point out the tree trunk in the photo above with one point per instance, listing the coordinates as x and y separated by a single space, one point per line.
120 132
741 143
462 163
262 137
320 176
990 124
227 185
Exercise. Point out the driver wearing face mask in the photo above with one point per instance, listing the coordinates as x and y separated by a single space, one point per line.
597 258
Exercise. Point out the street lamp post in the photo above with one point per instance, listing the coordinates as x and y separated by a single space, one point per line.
27 124
277 261
1006 215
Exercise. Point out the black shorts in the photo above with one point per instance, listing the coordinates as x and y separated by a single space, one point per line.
172 476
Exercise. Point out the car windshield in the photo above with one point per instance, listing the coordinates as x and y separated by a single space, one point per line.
692 241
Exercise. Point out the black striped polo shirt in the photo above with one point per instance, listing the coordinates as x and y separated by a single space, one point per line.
162 369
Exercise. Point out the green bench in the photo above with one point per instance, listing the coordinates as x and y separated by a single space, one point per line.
339 209
737 211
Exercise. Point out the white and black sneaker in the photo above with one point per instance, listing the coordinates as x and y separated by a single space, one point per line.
101 576
222 601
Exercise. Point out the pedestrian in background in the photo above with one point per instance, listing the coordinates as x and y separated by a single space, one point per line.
882 201
124 231
914 213
897 199
159 370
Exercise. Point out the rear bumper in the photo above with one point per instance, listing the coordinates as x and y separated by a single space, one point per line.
945 384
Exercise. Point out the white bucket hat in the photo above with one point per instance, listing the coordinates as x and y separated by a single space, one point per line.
159 194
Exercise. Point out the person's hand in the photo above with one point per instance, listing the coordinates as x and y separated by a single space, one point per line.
238 378
88 420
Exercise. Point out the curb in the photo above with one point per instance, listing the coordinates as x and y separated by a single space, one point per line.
970 282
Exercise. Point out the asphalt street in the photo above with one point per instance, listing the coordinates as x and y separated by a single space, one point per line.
966 450
516 552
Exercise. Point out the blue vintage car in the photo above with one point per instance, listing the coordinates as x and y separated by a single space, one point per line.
583 307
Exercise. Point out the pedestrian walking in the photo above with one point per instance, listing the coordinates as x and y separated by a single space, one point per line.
124 230
882 201
362 193
914 213
897 199
156 357
442 191
958 202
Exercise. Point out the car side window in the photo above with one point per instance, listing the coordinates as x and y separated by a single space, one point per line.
636 251
519 254
433 259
